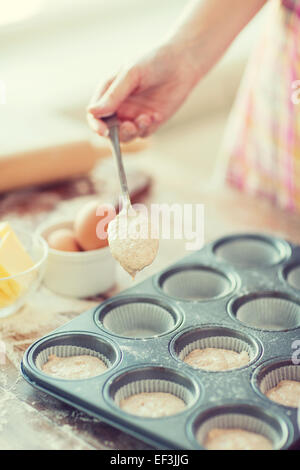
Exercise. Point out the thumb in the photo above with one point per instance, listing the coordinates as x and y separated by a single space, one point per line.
122 87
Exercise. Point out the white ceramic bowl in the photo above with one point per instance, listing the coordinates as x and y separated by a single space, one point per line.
28 281
78 274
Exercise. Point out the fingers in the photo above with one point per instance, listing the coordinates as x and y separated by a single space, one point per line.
143 126
108 99
97 125
124 84
148 123
137 119
143 123
128 131
100 91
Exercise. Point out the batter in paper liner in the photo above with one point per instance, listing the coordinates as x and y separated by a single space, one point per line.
236 439
216 359
132 240
152 404
286 392
74 367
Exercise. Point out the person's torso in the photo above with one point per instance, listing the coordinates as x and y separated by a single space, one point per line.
293 5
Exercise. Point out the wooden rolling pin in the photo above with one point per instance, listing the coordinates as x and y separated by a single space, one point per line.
49 150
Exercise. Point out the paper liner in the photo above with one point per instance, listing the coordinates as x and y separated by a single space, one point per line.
270 313
248 252
139 320
238 421
68 351
293 277
221 342
150 386
273 375
196 284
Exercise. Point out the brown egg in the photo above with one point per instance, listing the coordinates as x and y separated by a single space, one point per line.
63 239
88 225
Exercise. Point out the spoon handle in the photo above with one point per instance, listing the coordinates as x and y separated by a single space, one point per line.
113 127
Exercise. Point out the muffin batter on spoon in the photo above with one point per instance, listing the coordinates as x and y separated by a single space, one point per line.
131 239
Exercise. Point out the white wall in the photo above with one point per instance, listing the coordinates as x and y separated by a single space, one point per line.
52 62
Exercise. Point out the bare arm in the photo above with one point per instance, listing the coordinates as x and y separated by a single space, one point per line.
207 28
148 93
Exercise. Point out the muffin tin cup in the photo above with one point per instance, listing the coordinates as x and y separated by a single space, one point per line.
251 251
151 380
247 417
214 336
269 375
74 344
196 282
294 278
272 311
291 275
138 317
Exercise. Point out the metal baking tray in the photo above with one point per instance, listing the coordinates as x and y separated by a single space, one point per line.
242 290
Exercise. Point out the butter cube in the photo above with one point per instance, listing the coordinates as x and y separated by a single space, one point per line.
13 256
13 260
4 229
9 289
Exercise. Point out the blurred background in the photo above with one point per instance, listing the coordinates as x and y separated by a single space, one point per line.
54 53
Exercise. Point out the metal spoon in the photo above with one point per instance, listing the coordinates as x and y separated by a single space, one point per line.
113 127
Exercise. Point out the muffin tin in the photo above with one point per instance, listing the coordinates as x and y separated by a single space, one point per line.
240 292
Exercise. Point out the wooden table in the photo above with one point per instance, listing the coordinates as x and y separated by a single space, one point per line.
32 420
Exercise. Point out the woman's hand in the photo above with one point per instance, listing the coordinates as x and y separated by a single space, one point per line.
148 93
144 95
